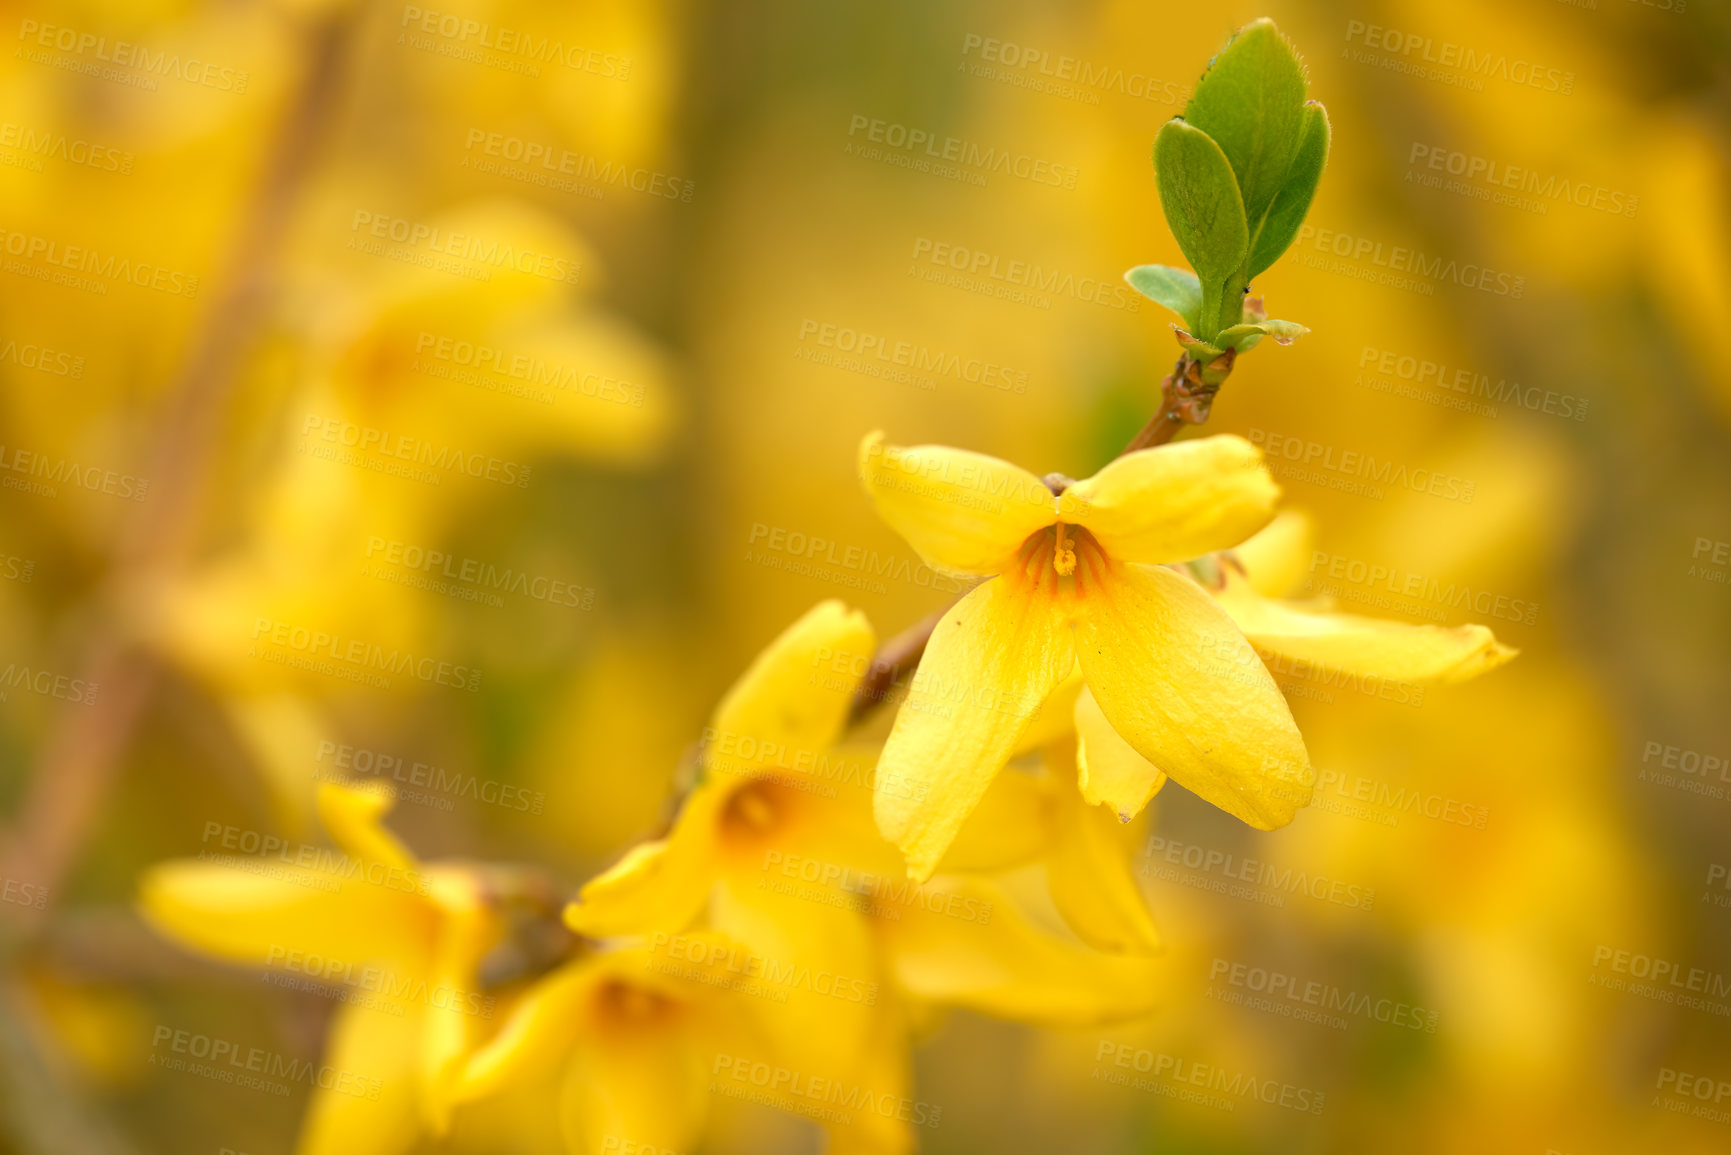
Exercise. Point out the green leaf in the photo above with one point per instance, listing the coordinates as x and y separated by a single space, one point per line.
1177 289
1251 101
1198 350
1245 335
1200 198
1286 214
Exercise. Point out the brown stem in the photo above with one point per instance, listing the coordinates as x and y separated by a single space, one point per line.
77 762
893 659
1186 397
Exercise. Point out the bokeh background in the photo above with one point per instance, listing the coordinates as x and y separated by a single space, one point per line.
216 271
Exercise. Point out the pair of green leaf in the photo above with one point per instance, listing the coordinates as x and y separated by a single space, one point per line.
1237 172
1181 291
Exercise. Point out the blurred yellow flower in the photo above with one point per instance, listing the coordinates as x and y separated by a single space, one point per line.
1249 582
630 1048
1078 578
404 938
776 849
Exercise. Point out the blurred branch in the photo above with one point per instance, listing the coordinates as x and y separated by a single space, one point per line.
43 1113
77 763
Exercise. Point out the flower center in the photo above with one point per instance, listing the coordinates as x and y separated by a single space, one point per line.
751 810
1064 555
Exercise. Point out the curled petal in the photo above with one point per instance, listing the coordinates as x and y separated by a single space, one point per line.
974 947
992 661
1174 502
1108 769
354 816
964 512
1367 647
1178 681
793 702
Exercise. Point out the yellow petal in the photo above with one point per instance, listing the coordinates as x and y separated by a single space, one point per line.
1089 869
643 1083
992 660
537 1035
1367 647
884 1077
468 929
973 947
1174 502
1108 769
658 885
370 1104
964 512
814 949
354 816
1056 717
277 730
793 702
1012 824
257 911
1276 557
1178 682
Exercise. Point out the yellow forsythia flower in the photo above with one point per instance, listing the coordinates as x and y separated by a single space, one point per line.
1079 578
